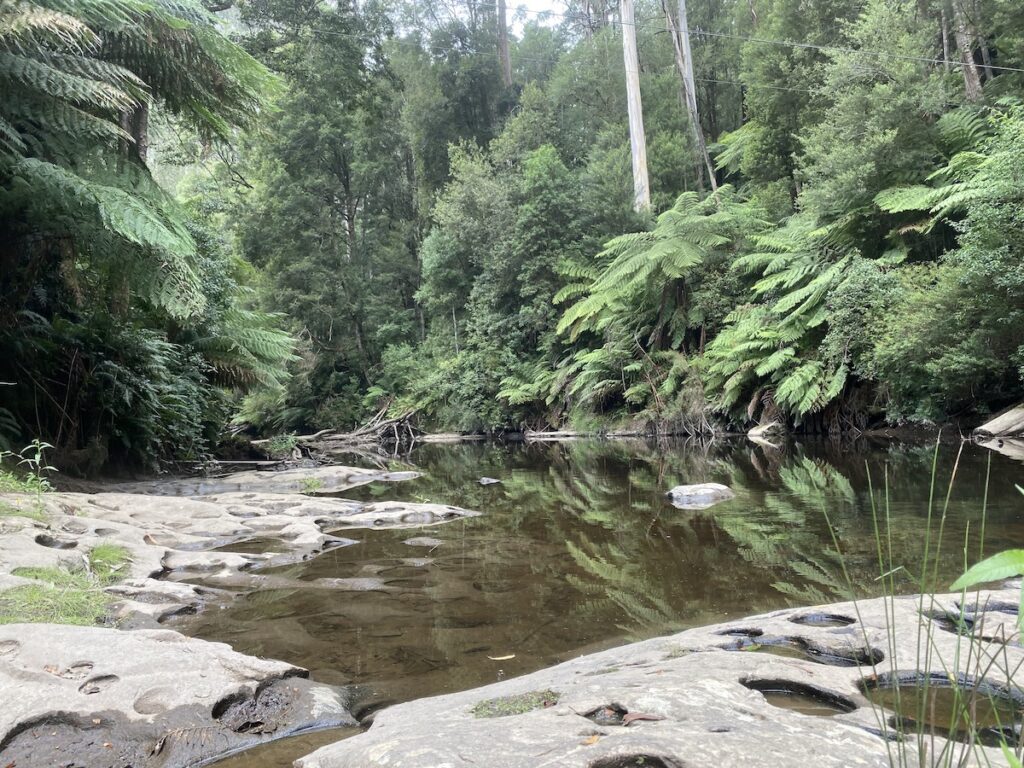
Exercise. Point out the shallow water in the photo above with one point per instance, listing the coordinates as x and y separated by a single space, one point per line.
578 550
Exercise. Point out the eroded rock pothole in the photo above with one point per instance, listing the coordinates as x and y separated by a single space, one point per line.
800 697
809 650
957 707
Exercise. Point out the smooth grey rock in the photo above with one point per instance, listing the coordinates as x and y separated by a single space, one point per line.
194 535
87 696
700 496
701 686
396 514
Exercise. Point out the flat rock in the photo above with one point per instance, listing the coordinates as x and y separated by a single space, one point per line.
699 496
400 514
87 696
194 535
1007 423
695 699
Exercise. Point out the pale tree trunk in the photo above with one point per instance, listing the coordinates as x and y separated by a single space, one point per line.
680 34
503 54
637 141
945 40
962 33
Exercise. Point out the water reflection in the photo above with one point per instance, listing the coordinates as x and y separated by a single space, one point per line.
578 549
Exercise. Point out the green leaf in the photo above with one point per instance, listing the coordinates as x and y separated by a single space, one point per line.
1001 566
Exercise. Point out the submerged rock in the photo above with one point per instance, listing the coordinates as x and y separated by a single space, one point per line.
87 696
703 698
700 496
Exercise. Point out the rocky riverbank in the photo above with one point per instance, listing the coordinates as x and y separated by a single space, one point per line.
95 696
776 689
788 688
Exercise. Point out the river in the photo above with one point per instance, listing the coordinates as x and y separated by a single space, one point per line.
578 550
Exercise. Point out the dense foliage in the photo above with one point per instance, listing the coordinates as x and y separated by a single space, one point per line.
450 243
446 239
118 309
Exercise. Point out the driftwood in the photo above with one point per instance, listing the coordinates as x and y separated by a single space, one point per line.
379 430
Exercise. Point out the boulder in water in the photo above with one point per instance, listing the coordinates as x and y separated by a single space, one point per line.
699 496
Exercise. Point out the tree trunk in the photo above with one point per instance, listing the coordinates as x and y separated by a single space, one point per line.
680 34
986 53
945 40
140 131
637 141
136 124
961 30
503 54
986 59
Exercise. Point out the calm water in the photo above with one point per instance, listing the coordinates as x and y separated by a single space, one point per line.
579 550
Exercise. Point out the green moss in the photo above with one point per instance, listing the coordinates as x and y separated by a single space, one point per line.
603 671
677 653
515 705
64 596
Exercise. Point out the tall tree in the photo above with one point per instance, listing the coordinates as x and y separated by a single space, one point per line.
964 35
634 106
503 55
680 32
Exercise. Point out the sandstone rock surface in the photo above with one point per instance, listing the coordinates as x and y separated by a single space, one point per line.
95 697
196 535
725 696
89 696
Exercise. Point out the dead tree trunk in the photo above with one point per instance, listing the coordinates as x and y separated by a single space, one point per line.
634 104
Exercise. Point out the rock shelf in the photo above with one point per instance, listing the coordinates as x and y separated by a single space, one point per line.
102 697
701 699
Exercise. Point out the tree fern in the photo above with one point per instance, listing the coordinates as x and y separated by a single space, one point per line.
771 346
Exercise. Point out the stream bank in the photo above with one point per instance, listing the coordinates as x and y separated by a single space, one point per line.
95 696
578 551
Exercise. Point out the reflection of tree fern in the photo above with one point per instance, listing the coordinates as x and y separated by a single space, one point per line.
789 537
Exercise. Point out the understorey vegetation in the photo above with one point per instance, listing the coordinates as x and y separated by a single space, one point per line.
289 215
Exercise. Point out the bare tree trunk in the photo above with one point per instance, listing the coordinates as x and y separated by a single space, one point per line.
503 54
684 63
140 131
961 30
637 140
945 40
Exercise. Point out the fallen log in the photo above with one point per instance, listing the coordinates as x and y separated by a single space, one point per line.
1008 423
